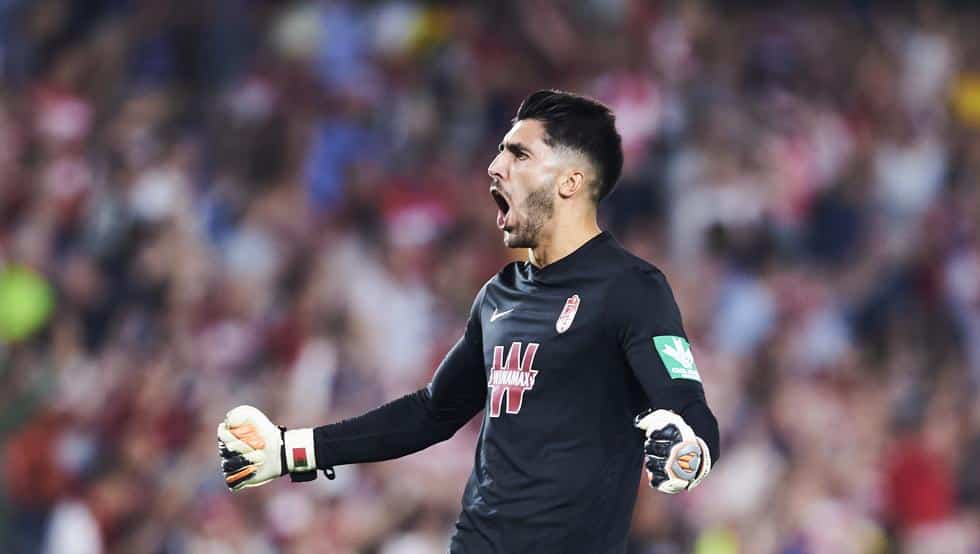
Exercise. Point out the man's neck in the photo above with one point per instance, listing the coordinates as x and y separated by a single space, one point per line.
562 242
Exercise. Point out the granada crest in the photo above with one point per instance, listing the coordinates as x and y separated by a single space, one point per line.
567 314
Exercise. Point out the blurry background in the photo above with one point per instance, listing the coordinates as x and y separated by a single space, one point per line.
211 202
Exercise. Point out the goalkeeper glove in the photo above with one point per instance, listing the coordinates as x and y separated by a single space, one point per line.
254 451
676 458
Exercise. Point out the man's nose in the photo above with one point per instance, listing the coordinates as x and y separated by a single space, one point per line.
496 169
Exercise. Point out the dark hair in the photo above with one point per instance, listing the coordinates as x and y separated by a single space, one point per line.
582 124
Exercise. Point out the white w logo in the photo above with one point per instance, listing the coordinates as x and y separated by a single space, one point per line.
509 380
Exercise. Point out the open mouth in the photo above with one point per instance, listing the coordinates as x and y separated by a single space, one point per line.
503 207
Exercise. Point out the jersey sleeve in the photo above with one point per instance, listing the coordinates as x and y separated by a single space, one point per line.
647 324
648 327
418 420
459 386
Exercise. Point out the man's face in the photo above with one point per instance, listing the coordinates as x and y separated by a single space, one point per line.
523 179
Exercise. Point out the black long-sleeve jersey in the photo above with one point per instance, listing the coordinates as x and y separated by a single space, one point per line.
560 359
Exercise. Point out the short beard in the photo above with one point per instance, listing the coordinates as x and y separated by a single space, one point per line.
539 207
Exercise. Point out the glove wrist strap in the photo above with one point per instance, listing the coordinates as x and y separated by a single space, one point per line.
298 455
298 451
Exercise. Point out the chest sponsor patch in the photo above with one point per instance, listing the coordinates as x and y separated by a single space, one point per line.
676 355
508 381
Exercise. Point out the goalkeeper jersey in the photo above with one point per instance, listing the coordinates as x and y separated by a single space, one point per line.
559 359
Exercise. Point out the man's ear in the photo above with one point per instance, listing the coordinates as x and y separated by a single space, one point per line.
572 183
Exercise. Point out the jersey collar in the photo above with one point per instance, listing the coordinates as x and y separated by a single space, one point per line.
575 259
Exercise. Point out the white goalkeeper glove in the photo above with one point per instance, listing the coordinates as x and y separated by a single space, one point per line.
675 458
254 451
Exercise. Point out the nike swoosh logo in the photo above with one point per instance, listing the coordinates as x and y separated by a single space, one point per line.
497 315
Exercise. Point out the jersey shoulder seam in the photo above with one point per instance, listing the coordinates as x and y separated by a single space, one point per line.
610 288
640 270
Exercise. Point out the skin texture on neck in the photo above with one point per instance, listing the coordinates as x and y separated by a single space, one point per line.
566 233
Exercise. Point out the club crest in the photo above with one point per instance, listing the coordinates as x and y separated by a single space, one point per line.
567 314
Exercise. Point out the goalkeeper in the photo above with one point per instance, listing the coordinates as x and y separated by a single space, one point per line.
566 354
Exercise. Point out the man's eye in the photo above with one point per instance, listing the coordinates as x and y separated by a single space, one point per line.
522 156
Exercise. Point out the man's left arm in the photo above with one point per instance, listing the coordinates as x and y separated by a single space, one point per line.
682 439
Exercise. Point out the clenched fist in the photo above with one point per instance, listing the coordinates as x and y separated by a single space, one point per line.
254 451
676 459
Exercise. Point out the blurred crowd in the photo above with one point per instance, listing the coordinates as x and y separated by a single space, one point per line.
214 202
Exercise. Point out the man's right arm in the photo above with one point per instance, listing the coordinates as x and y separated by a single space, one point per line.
254 450
413 422
418 420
